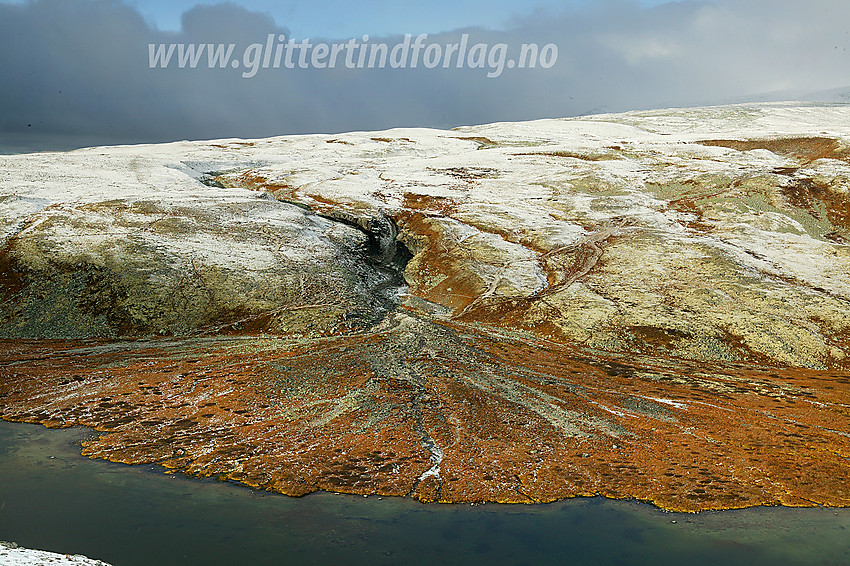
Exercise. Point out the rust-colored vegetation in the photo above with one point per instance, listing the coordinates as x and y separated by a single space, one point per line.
516 420
802 149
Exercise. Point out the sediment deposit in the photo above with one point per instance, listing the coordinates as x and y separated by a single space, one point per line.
650 305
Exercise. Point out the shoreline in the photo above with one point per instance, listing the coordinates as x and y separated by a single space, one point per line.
136 515
13 555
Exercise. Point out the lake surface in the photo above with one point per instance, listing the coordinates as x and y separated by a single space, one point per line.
52 498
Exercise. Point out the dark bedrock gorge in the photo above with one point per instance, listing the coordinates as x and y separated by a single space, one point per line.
445 335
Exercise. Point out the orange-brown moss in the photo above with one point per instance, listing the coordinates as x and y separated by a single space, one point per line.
483 142
804 149
819 200
517 419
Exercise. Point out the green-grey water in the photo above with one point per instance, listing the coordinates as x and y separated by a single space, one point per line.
51 498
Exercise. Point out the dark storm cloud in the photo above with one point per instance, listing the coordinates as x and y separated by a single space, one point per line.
81 67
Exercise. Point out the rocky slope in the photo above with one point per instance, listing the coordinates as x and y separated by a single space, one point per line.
507 302
13 555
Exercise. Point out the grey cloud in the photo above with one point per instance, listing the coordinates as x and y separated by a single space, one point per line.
80 67
226 23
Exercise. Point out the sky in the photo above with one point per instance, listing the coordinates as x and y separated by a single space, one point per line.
82 68
332 18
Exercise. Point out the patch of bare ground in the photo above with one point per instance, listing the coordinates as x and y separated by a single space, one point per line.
804 149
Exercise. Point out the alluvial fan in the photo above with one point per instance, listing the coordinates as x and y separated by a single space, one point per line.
650 305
